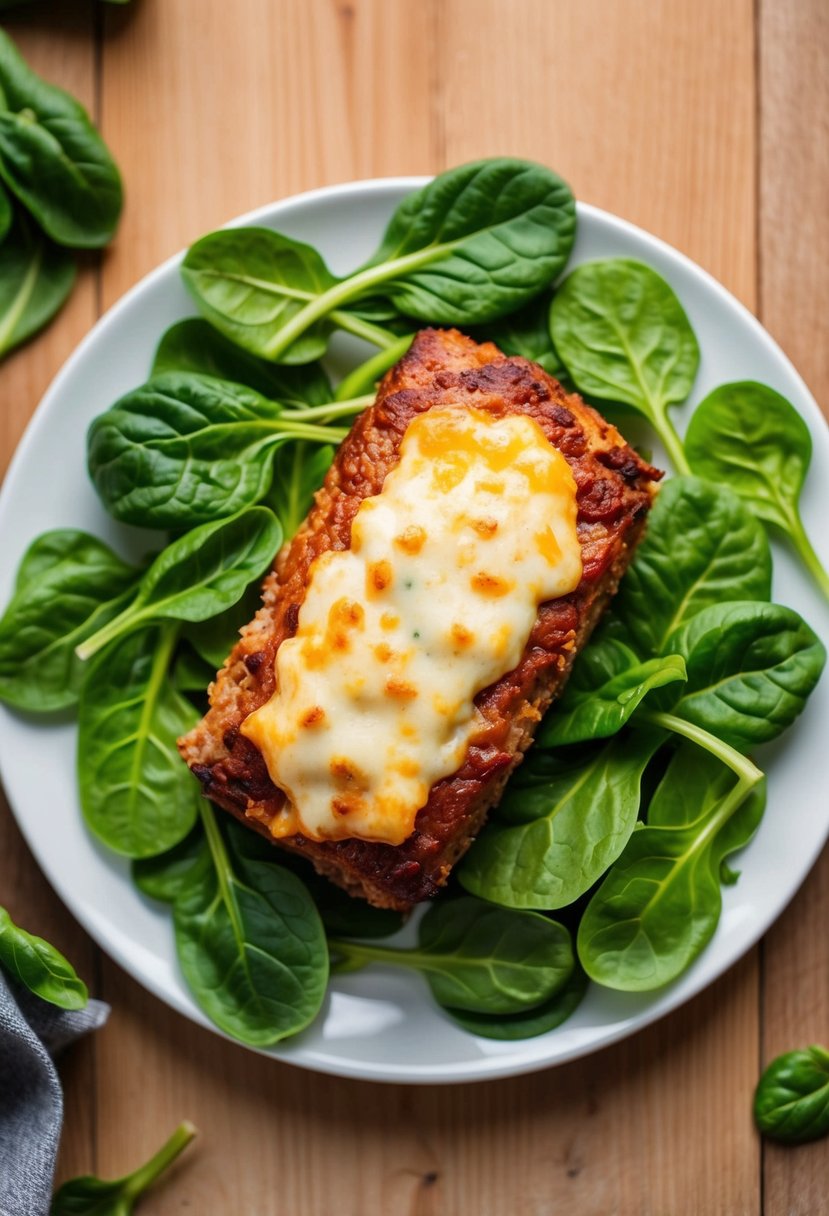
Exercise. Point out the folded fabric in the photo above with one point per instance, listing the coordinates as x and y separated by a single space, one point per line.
31 1103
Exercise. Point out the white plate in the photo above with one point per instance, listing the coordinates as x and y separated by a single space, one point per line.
382 1024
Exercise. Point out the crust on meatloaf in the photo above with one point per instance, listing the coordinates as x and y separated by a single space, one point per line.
614 492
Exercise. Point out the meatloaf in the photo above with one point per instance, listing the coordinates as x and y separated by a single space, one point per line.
614 491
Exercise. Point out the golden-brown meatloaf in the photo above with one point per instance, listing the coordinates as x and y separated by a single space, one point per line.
614 490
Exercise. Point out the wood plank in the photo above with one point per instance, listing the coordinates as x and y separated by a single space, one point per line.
794 250
62 49
657 125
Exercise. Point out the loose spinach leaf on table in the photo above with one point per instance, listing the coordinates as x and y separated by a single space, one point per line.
702 547
53 159
472 245
791 1102
623 336
562 821
751 668
36 277
91 1196
250 942
479 958
69 584
660 903
185 449
39 966
752 439
136 794
194 345
199 575
607 685
543 1018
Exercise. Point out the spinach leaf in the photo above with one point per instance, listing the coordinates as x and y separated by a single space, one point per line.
568 818
195 346
299 471
6 212
660 903
748 436
198 575
52 157
36 278
250 941
250 282
791 1102
750 668
479 958
68 585
136 795
191 673
526 332
162 876
543 1018
364 378
623 336
608 683
702 547
472 245
185 449
91 1196
39 966
214 638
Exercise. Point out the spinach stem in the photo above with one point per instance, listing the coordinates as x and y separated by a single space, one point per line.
671 442
364 378
807 554
291 423
736 761
339 408
361 328
136 1183
347 289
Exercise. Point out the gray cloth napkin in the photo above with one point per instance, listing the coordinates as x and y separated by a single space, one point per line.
31 1102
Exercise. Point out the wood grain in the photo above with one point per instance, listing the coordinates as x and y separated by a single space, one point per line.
650 111
794 251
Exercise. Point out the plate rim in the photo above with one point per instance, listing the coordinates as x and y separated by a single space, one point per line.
485 1067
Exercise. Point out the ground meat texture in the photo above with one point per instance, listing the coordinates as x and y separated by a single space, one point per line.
614 493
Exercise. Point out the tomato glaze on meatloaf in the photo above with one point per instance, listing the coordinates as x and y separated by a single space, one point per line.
614 490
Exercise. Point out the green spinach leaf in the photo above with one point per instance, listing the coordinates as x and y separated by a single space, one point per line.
36 278
472 245
39 966
791 1103
660 903
214 638
68 585
752 439
53 159
250 941
199 575
751 668
479 958
6 212
195 346
91 1196
186 449
702 547
623 336
567 819
607 685
526 332
163 876
136 794
540 1020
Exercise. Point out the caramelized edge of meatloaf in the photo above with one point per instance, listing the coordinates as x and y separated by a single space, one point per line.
614 492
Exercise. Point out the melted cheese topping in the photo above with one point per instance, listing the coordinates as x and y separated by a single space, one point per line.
434 601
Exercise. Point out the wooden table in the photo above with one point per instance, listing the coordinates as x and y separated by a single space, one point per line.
704 121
